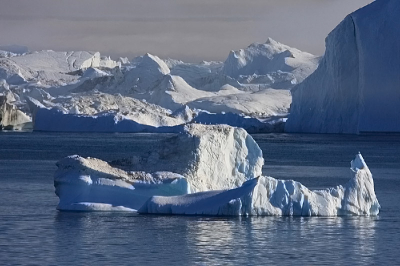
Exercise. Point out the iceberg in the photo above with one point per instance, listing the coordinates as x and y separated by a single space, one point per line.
356 86
101 112
56 120
210 157
205 170
266 196
207 158
11 118
50 67
264 103
269 58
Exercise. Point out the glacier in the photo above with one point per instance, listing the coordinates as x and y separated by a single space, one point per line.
355 89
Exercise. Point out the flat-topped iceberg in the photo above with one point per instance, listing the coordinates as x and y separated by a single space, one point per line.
268 196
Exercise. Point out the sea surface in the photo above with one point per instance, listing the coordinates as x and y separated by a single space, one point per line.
33 232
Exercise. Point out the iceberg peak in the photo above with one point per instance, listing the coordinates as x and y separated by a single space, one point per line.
153 62
358 163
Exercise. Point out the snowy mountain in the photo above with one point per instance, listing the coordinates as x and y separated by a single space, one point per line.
356 87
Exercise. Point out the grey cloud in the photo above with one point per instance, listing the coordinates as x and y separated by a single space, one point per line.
186 29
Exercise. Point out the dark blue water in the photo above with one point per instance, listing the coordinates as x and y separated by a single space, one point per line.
33 232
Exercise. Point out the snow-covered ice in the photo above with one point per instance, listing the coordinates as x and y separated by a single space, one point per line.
356 86
265 196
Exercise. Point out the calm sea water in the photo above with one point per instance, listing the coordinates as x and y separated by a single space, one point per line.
33 232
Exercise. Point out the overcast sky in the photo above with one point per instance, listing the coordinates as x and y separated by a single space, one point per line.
183 29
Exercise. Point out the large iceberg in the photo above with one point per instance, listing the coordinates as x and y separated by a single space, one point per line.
205 170
268 196
206 158
356 86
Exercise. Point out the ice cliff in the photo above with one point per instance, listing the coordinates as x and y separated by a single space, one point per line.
356 87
